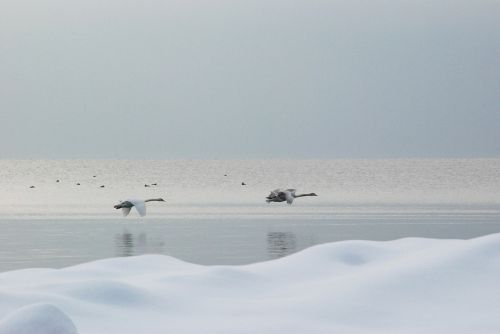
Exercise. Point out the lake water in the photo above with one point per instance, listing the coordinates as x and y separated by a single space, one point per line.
210 218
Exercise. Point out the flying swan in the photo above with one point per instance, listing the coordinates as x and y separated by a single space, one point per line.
281 195
139 204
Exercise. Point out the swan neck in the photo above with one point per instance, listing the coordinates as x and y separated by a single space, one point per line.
153 199
302 195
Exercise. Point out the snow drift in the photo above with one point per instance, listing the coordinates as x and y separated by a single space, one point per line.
403 286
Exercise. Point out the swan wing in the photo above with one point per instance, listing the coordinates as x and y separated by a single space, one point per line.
289 197
139 204
273 194
141 208
276 192
125 211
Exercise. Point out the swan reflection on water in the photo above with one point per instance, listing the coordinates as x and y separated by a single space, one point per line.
281 244
129 244
124 244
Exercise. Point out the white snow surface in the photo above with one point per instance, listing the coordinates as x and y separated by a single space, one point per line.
38 318
404 286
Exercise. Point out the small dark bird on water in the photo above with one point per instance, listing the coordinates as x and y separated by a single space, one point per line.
243 184
102 186
146 185
78 183
57 180
154 184
32 187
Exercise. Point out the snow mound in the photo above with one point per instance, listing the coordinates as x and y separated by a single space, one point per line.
403 286
37 319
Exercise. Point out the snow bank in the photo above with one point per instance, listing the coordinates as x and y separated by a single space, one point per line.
38 318
403 286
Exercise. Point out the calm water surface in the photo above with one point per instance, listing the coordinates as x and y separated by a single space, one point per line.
209 218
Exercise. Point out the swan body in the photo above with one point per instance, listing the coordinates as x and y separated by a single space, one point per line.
139 204
282 195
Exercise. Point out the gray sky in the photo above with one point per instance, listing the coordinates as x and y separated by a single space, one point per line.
161 79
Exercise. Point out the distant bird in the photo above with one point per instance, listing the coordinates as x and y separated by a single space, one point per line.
94 176
78 183
243 184
282 195
32 187
146 185
154 184
102 186
57 180
139 204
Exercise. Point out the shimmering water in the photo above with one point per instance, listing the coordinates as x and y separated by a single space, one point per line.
210 218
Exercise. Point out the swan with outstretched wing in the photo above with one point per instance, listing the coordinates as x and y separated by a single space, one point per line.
282 195
138 204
